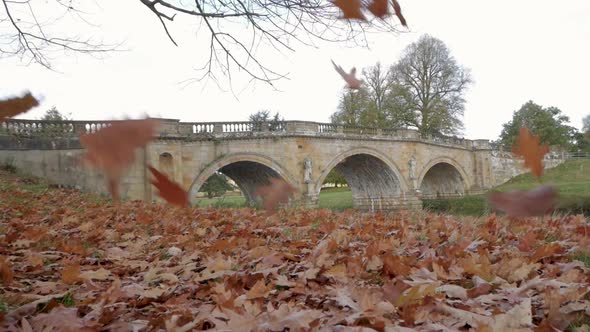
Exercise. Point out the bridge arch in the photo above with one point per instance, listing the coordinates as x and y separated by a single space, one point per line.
248 170
374 179
443 176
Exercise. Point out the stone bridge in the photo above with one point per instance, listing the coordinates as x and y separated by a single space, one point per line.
384 168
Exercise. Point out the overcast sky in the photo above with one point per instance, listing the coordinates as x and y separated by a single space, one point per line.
516 50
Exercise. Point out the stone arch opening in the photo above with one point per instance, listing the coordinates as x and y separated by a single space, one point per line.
442 180
248 173
375 185
166 164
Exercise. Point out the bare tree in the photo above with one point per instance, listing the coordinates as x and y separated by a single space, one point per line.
586 124
27 32
430 84
274 24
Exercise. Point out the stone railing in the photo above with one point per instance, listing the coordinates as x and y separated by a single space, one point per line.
50 128
175 128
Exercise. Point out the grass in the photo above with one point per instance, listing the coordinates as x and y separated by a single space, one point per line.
336 198
583 257
572 180
331 198
3 306
225 201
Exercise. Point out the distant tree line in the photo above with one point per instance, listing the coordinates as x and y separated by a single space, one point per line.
424 90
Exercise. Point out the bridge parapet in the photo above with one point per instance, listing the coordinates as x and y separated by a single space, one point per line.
175 128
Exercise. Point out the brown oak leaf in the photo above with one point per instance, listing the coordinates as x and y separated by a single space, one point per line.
379 8
520 203
398 12
351 9
16 105
349 78
528 147
171 191
6 274
112 149
71 274
274 194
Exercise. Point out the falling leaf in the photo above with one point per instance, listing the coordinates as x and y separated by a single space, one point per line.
351 9
349 78
171 191
112 148
398 12
528 147
379 8
274 194
16 105
519 203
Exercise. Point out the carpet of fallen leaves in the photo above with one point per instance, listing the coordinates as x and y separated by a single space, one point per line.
70 261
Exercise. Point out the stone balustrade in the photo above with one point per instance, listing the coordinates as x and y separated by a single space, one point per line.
175 128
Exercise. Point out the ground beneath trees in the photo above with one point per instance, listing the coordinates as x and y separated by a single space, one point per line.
73 260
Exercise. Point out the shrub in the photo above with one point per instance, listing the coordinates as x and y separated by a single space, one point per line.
8 166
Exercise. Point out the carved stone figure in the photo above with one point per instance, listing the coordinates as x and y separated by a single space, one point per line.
412 164
307 165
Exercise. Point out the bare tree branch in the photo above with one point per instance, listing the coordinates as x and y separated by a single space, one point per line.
30 40
239 30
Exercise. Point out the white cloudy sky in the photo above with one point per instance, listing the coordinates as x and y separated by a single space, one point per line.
517 51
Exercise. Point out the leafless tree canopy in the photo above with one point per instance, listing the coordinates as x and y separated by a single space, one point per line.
277 24
26 32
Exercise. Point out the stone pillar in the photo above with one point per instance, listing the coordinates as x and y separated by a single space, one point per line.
185 129
79 128
168 126
482 170
218 128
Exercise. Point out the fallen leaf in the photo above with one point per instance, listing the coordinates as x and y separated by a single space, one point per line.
520 316
379 8
276 193
16 105
519 203
100 274
169 190
526 243
398 12
71 274
349 78
259 290
60 319
453 291
351 9
6 271
528 147
112 148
